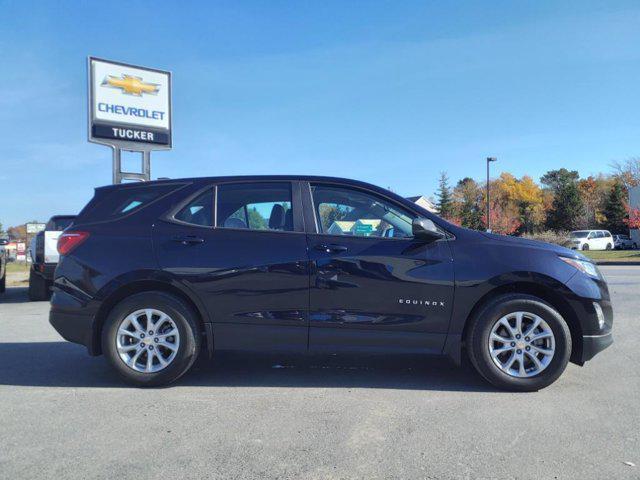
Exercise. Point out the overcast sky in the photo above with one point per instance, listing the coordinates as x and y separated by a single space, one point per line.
387 92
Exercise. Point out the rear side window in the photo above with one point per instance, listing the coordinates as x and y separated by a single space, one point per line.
255 206
58 224
123 201
199 211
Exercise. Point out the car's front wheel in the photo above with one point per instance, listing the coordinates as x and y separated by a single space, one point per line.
519 342
585 246
151 338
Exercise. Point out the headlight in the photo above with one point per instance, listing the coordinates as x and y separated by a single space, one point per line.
583 265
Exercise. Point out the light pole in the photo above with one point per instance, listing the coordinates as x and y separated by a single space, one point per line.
489 160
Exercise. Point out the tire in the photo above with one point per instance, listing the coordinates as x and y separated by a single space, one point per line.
635 246
3 282
478 344
608 246
585 246
38 288
188 340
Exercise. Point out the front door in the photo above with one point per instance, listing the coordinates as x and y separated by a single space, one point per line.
250 268
373 286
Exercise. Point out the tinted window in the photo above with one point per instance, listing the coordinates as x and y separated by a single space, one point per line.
599 234
58 224
607 234
342 211
199 211
113 203
255 206
579 234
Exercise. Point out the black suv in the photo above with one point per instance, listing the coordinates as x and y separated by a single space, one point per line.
150 274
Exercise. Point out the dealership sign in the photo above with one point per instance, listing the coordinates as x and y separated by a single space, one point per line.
34 227
129 106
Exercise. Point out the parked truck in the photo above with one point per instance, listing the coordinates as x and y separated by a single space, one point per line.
44 255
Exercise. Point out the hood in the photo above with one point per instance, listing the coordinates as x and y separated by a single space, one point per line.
525 242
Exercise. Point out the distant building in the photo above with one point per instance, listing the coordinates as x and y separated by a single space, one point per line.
341 227
424 202
634 202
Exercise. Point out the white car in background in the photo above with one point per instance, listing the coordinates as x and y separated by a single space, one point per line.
591 240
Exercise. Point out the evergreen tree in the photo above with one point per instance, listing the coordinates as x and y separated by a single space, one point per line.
556 179
567 209
445 202
614 210
469 196
256 220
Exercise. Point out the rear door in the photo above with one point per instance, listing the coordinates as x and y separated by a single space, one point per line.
250 267
373 286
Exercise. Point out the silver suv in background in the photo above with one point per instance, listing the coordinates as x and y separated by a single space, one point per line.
624 242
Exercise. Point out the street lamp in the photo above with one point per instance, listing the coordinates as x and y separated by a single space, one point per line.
489 160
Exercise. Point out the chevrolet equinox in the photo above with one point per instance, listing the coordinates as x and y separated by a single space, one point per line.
151 274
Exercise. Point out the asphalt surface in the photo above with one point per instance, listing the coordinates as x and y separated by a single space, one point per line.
64 414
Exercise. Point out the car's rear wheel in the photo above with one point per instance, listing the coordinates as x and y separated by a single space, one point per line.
151 338
519 342
585 246
38 288
608 246
3 282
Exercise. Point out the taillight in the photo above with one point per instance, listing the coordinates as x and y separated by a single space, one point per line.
70 240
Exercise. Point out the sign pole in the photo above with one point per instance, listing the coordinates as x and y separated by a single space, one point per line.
129 109
117 164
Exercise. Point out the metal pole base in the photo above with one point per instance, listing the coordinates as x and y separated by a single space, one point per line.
119 176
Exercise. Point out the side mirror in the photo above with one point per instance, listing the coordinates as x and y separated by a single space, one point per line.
425 230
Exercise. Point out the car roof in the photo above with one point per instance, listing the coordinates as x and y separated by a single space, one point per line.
227 178
256 178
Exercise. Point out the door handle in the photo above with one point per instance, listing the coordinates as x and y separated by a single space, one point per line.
188 240
331 248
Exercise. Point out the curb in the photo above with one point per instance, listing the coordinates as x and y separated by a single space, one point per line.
617 263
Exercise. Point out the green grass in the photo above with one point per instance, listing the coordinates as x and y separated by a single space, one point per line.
17 267
614 255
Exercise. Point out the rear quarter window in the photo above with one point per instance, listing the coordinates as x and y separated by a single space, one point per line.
59 224
123 201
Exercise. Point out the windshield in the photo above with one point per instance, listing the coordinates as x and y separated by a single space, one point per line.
579 234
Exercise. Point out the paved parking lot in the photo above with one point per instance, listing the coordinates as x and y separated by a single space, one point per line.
66 415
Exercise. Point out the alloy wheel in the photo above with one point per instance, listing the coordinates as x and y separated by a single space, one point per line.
147 340
521 344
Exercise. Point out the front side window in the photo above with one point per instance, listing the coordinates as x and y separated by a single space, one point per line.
198 211
255 206
343 211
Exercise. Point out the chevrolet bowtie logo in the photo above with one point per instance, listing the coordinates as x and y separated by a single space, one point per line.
131 85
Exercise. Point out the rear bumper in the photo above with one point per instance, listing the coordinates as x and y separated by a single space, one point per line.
69 317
